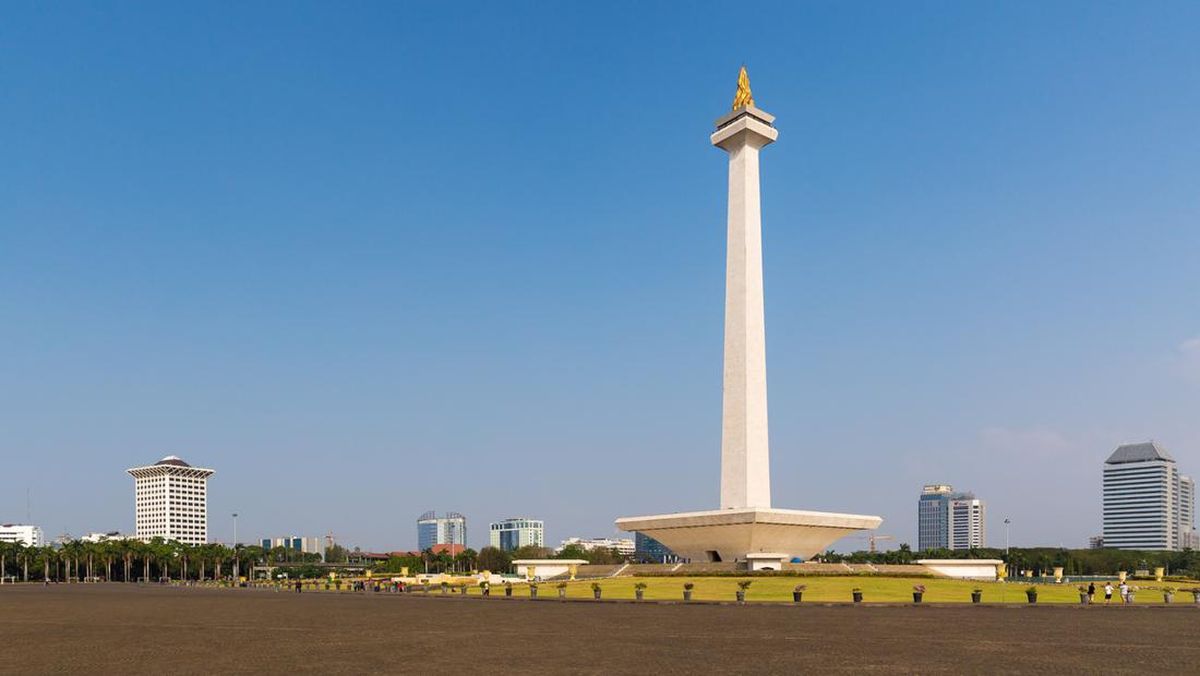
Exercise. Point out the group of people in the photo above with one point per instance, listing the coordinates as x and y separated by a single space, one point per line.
1123 589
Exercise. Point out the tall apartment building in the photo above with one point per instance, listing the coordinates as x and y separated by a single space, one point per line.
171 501
1147 503
949 520
518 532
432 529
30 536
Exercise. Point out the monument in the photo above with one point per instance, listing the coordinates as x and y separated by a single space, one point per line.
746 527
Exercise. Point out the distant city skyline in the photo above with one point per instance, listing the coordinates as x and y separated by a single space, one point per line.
367 262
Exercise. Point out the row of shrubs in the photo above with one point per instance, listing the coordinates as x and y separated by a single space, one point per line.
783 573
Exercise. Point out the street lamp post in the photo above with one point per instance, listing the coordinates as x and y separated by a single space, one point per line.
237 568
1007 558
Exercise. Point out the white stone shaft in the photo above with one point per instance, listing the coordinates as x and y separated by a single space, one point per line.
745 456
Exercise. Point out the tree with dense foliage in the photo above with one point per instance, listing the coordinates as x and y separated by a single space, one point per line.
493 559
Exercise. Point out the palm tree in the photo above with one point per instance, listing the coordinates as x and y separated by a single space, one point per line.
22 552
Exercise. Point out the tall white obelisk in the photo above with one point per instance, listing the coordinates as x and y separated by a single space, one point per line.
746 528
745 458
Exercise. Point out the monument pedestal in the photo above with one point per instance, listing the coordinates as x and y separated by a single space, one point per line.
736 534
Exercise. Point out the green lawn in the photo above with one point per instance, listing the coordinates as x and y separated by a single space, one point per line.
833 589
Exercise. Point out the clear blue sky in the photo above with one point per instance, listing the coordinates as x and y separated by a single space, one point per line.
367 260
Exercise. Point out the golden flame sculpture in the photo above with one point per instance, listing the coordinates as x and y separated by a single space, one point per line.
743 97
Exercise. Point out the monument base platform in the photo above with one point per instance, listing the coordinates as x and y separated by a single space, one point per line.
732 534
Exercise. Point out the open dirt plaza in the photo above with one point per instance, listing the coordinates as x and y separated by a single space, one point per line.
118 628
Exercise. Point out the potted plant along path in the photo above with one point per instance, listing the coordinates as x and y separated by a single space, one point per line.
462 588
507 588
533 590
743 585
687 590
976 595
856 593
798 592
1195 594
596 590
918 592
1031 594
639 590
445 587
1083 595
562 590
1168 594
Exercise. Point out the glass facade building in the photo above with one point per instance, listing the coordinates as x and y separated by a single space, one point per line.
432 529
517 532
648 550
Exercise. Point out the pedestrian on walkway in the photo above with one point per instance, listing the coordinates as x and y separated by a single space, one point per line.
1107 592
1124 592
1091 592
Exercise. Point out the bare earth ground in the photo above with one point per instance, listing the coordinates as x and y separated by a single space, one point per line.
133 629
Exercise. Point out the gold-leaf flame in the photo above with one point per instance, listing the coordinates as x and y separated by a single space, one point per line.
743 97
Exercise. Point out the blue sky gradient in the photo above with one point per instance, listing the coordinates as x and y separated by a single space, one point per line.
372 259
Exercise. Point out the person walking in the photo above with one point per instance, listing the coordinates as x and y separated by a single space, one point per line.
1108 590
1091 592
1124 588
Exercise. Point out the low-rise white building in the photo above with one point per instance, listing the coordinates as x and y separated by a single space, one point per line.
623 546
30 536
104 537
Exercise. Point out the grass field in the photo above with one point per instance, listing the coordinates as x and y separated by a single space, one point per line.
833 589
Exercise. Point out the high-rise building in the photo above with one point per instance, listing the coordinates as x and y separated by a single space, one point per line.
432 529
949 520
171 501
1147 504
517 532
30 536
304 545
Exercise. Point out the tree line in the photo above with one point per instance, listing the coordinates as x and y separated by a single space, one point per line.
129 560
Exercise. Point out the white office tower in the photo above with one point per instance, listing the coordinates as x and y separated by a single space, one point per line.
171 499
1147 504
949 520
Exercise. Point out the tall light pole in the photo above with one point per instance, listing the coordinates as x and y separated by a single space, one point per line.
237 568
1007 558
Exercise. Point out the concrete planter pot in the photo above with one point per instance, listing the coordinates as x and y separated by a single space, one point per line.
917 596
976 597
462 590
445 590
1168 597
508 591
1196 597
533 592
796 596
741 596
1083 599
687 595
596 594
638 594
1131 598
1031 596
857 596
